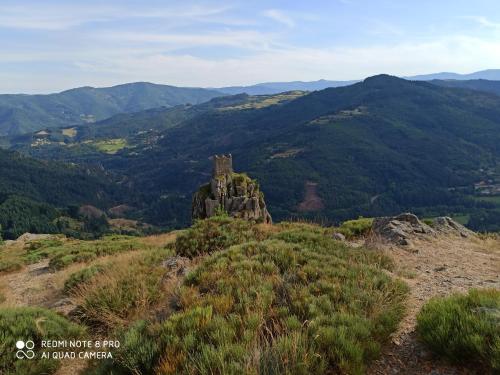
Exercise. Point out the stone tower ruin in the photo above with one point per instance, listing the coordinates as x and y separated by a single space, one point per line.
223 165
235 193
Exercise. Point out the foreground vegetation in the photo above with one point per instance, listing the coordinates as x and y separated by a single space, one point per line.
62 251
225 297
464 328
281 299
35 324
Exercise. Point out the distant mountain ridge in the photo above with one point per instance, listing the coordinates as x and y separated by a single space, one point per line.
269 88
489 74
20 113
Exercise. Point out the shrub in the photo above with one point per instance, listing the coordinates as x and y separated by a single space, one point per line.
355 228
463 328
298 302
79 277
36 324
213 234
117 295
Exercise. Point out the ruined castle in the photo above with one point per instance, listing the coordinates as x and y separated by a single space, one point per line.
223 165
235 193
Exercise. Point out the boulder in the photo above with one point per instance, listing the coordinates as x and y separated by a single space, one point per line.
400 229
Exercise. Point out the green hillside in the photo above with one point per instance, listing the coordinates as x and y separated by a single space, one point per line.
27 113
34 194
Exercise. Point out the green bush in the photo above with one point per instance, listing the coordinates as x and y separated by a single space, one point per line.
296 303
79 277
36 324
355 228
463 328
213 234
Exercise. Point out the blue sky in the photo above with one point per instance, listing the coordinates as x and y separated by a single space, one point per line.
50 45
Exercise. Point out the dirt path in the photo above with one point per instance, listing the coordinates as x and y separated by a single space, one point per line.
436 267
31 286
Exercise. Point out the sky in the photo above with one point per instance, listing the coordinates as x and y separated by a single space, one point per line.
48 45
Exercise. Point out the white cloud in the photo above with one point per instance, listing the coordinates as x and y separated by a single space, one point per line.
279 16
245 39
460 54
484 22
62 17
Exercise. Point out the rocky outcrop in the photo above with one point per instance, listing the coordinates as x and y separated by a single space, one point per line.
446 224
400 229
235 193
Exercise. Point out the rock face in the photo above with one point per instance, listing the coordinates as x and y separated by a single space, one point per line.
400 229
235 193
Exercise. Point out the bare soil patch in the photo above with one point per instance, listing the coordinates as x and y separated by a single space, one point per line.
312 201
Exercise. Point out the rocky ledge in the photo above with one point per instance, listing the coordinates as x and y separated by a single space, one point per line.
402 228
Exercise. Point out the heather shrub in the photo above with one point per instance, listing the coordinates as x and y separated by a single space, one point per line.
297 302
35 324
464 328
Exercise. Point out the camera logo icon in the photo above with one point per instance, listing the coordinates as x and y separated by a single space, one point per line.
25 349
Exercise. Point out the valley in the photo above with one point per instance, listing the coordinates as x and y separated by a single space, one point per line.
414 146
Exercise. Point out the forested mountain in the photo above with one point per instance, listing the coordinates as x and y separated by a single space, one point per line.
377 147
473 84
34 194
27 113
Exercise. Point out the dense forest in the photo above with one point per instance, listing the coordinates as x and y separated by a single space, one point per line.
35 194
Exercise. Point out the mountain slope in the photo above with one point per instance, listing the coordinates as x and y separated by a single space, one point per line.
26 113
473 84
32 192
378 147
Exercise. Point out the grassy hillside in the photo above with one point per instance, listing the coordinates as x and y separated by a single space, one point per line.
260 299
26 113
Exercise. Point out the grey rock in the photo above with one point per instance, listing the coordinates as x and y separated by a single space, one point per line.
400 229
447 225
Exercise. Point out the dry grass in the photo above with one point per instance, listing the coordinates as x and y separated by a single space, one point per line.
160 240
